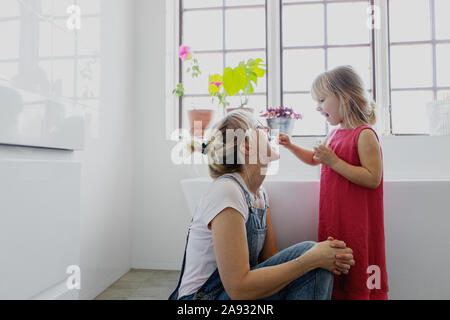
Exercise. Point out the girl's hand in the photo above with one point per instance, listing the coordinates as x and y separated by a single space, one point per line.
284 140
325 155
335 259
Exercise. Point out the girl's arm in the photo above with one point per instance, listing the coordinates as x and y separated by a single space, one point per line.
231 250
369 173
307 156
304 155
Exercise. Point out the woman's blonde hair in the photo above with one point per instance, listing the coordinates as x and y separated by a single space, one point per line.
223 155
345 84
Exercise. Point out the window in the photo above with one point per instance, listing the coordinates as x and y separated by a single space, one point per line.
399 47
420 68
316 38
221 33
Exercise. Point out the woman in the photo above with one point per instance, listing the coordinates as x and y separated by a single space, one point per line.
230 248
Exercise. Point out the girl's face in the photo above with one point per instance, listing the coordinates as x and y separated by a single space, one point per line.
328 106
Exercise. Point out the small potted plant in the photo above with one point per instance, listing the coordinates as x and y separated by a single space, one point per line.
240 80
281 118
195 115
217 90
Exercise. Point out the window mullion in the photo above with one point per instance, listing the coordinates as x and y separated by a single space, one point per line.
274 52
382 65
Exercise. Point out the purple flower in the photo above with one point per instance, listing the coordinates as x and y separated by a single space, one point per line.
281 112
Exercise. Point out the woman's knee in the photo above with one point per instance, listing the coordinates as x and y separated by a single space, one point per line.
304 246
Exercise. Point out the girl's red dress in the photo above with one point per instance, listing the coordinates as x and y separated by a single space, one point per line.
355 215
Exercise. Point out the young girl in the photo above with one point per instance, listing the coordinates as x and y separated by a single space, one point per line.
351 183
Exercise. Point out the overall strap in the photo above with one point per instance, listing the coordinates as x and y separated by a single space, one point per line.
174 295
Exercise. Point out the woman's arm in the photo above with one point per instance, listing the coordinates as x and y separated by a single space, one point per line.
270 244
230 247
369 173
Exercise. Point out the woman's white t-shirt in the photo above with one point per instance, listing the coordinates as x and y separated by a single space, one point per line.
200 257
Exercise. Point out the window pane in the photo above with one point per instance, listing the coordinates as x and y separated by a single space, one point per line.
89 37
10 35
443 94
257 102
202 3
411 66
443 65
9 8
9 70
58 7
230 3
233 59
409 111
245 28
301 67
313 122
303 25
358 58
409 20
442 19
209 65
62 73
203 29
353 28
89 6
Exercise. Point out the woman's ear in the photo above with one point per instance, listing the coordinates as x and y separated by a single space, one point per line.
244 147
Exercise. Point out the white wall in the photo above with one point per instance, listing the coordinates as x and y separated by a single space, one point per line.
107 161
160 213
92 226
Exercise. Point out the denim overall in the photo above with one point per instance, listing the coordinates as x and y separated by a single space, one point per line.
256 228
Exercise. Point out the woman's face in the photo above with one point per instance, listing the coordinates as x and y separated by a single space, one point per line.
260 148
328 106
267 148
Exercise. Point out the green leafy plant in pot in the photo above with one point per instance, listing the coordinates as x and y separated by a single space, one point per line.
196 115
239 80
282 119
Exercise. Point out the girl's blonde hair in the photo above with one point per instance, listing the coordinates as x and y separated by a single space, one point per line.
345 84
223 155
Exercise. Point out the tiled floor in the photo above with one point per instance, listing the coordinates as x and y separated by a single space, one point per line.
140 284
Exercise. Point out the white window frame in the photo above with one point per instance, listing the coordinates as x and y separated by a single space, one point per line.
274 92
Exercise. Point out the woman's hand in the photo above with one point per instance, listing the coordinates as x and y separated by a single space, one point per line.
340 263
332 255
284 140
325 155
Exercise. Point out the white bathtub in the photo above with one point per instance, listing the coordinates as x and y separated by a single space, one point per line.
417 227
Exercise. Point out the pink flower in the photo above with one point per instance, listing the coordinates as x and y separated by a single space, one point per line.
185 53
217 84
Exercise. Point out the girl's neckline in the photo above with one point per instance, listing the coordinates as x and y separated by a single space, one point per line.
363 125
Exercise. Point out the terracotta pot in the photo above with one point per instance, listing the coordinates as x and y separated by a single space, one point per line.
199 115
251 110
